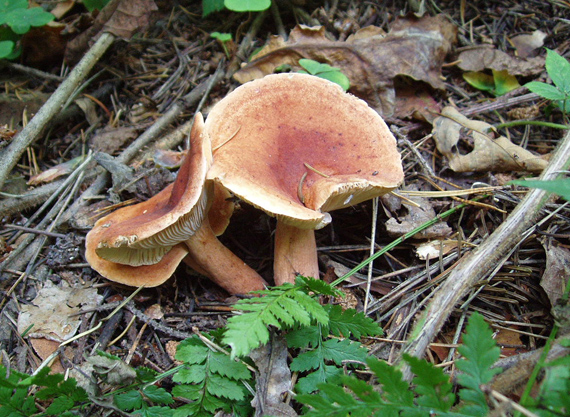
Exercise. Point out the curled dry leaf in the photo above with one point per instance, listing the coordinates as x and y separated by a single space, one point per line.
55 172
555 277
480 58
371 59
415 217
489 153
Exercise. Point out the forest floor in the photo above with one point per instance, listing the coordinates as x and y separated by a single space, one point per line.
141 96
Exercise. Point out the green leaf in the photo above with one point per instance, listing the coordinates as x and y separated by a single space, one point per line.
432 385
247 5
546 90
130 400
558 69
154 411
480 80
7 6
480 352
158 395
395 389
343 350
211 6
310 383
349 322
559 186
95 4
191 392
222 37
20 20
504 82
326 72
225 366
60 405
192 350
283 306
305 337
190 375
223 387
317 286
6 48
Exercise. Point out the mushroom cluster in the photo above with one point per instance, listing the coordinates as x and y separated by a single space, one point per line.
294 145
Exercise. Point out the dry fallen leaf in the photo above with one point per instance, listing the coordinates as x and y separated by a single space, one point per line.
415 217
555 277
371 59
273 378
526 45
489 153
53 313
480 58
55 172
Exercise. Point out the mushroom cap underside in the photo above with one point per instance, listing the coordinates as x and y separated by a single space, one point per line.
147 275
296 146
170 216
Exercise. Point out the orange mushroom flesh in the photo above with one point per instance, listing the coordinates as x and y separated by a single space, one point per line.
297 146
155 235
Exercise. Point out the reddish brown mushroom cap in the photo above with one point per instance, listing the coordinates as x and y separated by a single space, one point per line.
145 242
297 146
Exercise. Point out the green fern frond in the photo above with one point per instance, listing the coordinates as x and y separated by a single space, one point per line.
480 352
210 380
349 322
286 306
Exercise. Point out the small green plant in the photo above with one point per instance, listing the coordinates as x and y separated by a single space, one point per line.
430 392
558 69
501 82
225 39
18 19
211 6
325 71
211 380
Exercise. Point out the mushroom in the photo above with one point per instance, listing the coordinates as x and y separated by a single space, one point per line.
297 147
143 243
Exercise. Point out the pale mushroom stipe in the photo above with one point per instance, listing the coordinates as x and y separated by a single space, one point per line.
143 244
298 146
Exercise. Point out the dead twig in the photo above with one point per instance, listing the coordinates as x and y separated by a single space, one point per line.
9 157
475 266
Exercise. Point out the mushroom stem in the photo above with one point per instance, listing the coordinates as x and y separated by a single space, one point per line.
295 253
210 257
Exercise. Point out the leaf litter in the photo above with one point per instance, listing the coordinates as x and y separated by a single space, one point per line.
400 77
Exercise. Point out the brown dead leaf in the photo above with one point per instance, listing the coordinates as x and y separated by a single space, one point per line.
489 153
43 47
122 18
53 313
415 217
371 60
557 272
527 45
167 158
435 248
55 172
480 58
111 139
416 102
273 378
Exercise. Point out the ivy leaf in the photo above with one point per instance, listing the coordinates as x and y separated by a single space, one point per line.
349 322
